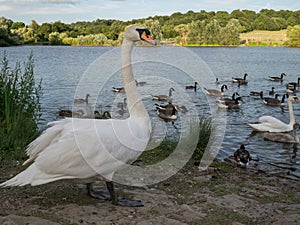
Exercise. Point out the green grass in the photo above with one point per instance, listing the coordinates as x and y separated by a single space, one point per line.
20 108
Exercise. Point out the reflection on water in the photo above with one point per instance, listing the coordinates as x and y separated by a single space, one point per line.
62 68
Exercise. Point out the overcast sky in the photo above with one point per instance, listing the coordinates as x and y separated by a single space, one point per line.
68 11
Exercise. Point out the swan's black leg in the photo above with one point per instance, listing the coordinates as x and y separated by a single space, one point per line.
99 194
121 201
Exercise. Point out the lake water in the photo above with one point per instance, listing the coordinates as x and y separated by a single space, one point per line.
71 72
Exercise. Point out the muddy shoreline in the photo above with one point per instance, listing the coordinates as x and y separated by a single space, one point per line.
224 194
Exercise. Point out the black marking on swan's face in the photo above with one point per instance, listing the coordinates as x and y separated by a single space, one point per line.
142 31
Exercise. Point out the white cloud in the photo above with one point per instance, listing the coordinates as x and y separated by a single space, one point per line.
4 8
42 1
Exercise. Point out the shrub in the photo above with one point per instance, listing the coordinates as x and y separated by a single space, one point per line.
20 108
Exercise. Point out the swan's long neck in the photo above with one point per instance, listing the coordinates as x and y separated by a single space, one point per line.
135 105
291 112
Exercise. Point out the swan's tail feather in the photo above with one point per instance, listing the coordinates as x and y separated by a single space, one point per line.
33 176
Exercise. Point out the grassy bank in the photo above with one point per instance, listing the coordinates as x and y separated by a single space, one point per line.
264 38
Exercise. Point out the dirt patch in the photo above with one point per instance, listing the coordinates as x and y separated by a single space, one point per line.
224 194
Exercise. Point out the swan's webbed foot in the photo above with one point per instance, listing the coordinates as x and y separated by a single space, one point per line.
121 201
102 194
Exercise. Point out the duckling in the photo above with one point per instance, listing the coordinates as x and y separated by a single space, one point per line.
242 156
284 137
118 89
215 92
81 100
278 79
164 97
194 87
239 80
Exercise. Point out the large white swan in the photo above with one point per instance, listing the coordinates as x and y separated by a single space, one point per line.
271 124
95 147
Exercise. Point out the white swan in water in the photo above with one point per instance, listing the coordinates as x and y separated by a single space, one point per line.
95 147
271 124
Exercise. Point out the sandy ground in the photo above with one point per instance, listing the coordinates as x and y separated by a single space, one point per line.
224 194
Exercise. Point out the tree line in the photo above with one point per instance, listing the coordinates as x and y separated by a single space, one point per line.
190 28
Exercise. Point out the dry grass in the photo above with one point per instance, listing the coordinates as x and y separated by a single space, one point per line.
263 37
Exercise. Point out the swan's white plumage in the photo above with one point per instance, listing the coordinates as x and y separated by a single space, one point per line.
272 124
75 148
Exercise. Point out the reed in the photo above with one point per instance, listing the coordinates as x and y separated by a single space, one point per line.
20 108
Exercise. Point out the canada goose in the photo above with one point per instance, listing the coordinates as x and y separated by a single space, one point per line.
122 104
242 156
256 93
275 101
118 89
284 137
167 112
291 84
105 115
217 81
194 87
65 113
140 83
81 100
63 152
272 92
227 100
215 92
70 113
291 89
239 80
278 79
231 105
242 82
164 97
271 124
268 99
181 108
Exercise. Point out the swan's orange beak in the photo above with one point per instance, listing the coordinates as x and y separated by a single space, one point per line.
297 100
148 39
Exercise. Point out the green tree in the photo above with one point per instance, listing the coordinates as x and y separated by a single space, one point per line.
155 29
230 34
17 25
212 32
196 32
182 29
293 36
54 38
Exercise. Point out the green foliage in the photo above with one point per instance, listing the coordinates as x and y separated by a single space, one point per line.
293 35
168 146
176 27
204 135
20 108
